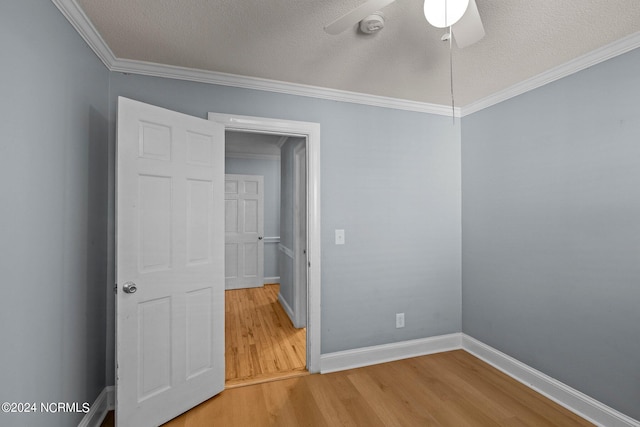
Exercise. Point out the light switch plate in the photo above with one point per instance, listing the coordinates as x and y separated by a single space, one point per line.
399 320
339 237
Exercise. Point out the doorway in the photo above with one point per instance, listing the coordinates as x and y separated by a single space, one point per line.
309 133
265 336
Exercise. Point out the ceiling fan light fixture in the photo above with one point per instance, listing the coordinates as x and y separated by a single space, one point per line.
434 11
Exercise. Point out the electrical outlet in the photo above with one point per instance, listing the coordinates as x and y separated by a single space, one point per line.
399 320
339 237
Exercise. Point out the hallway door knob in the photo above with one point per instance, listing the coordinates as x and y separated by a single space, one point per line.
129 288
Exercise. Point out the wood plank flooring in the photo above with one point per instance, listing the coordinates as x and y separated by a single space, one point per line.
446 389
260 341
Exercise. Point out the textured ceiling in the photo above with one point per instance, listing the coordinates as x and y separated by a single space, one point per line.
284 40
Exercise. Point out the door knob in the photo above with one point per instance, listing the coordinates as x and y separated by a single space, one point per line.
129 288
259 237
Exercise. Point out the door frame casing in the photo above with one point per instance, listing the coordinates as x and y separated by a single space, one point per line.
299 241
311 132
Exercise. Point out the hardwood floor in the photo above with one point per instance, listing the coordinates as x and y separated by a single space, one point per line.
446 389
261 343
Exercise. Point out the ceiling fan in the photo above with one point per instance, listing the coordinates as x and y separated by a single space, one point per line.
461 16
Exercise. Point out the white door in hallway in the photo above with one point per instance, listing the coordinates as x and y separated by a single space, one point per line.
170 263
244 228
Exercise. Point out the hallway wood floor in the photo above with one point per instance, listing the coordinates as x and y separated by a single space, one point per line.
261 343
447 389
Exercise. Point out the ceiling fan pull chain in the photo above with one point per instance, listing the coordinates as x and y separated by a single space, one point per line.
453 109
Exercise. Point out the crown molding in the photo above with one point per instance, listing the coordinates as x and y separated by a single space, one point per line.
85 28
82 24
224 79
580 63
79 20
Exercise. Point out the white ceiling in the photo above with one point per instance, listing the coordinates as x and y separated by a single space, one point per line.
284 40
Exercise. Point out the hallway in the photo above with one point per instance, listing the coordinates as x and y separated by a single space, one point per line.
260 341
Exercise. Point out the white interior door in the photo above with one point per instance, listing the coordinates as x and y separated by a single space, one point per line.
170 246
244 231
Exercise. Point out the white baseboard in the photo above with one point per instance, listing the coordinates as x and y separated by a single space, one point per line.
104 403
111 397
575 401
287 308
271 280
241 286
359 357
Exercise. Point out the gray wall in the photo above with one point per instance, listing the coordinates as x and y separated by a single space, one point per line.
53 187
390 178
286 263
270 170
551 230
550 218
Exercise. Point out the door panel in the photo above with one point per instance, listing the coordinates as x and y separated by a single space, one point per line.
250 216
199 214
170 243
244 225
199 324
250 259
154 340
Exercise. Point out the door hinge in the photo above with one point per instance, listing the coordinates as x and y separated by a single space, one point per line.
115 289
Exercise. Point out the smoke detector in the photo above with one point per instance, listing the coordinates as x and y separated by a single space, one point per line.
372 23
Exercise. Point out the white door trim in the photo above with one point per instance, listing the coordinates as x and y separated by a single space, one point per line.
299 242
310 131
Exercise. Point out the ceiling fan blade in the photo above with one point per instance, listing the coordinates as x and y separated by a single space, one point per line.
469 28
356 15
